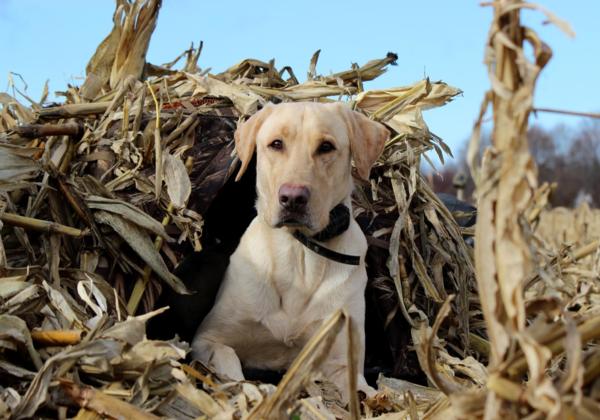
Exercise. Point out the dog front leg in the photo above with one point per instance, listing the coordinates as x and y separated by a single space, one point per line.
336 371
359 352
338 374
335 366
220 356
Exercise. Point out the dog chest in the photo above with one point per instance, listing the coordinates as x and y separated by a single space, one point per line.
301 298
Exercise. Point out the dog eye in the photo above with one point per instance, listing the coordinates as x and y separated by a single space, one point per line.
276 144
325 147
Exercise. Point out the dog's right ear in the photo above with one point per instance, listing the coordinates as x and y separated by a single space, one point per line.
245 137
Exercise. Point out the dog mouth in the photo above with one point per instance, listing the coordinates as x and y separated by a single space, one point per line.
293 220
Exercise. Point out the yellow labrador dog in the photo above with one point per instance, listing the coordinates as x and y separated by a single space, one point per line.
294 266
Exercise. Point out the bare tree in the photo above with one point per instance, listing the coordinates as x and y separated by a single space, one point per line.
570 157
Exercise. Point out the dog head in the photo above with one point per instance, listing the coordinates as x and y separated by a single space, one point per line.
303 159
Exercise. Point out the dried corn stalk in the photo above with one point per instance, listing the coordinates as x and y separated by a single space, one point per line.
505 250
123 51
507 180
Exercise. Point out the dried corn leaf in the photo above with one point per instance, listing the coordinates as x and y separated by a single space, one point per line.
141 243
128 212
135 28
179 186
16 164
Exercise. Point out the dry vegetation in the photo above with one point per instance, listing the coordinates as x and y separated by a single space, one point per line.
507 330
566 156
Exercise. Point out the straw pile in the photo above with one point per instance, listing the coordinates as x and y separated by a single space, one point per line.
101 196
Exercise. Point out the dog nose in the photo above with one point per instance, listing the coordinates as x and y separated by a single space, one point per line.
294 197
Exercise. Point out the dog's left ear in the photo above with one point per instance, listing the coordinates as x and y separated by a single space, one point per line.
245 137
367 139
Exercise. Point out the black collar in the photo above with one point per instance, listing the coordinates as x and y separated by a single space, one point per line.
339 220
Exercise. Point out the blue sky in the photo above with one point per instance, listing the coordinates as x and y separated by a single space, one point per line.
443 40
